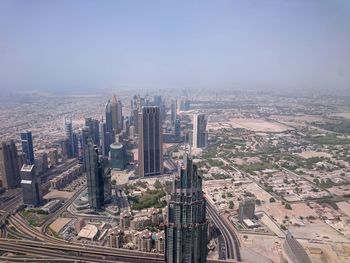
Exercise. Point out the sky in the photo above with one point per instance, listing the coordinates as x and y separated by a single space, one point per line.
91 45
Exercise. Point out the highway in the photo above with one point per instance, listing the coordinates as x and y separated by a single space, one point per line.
230 237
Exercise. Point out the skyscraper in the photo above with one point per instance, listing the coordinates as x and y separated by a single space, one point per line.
9 165
27 147
117 115
108 113
94 130
177 128
157 100
186 227
68 128
150 151
95 176
31 185
200 134
173 111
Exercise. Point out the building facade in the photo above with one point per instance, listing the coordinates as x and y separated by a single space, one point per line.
9 165
27 147
186 229
31 186
94 176
150 148
200 135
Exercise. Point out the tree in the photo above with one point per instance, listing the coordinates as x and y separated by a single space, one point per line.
288 206
231 204
157 184
272 200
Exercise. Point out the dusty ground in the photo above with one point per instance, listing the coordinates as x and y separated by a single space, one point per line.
310 154
344 207
258 125
345 115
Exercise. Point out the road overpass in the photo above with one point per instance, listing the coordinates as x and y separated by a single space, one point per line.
230 237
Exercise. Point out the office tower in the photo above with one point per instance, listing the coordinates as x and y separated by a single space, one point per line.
157 100
85 135
246 209
94 129
150 146
27 147
200 135
173 111
118 156
294 250
186 228
31 185
94 175
177 127
117 115
103 139
69 135
9 165
108 113
184 104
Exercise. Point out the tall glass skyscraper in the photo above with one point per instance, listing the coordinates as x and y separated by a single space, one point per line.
187 227
200 134
150 152
9 165
68 128
94 176
27 147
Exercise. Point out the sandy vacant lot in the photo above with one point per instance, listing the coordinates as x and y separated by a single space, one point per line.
345 115
258 125
344 207
310 154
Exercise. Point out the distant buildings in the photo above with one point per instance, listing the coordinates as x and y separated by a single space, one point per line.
150 142
246 209
186 229
27 147
68 128
95 176
118 156
9 165
31 186
200 135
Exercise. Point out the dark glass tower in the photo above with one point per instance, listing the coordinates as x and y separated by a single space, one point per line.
150 156
94 175
186 228
9 165
27 147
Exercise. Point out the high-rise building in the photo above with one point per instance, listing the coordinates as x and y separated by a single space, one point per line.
108 113
68 128
186 227
173 111
9 165
103 139
31 185
27 146
118 156
200 135
95 176
177 128
150 148
157 100
94 130
117 115
246 209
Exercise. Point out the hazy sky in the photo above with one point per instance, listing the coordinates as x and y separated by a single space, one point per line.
67 45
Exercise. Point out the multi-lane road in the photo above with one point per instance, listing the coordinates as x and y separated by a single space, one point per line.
230 237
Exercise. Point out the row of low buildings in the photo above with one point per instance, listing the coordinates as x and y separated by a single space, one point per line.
66 177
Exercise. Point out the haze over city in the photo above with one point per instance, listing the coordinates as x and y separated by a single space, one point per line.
80 46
